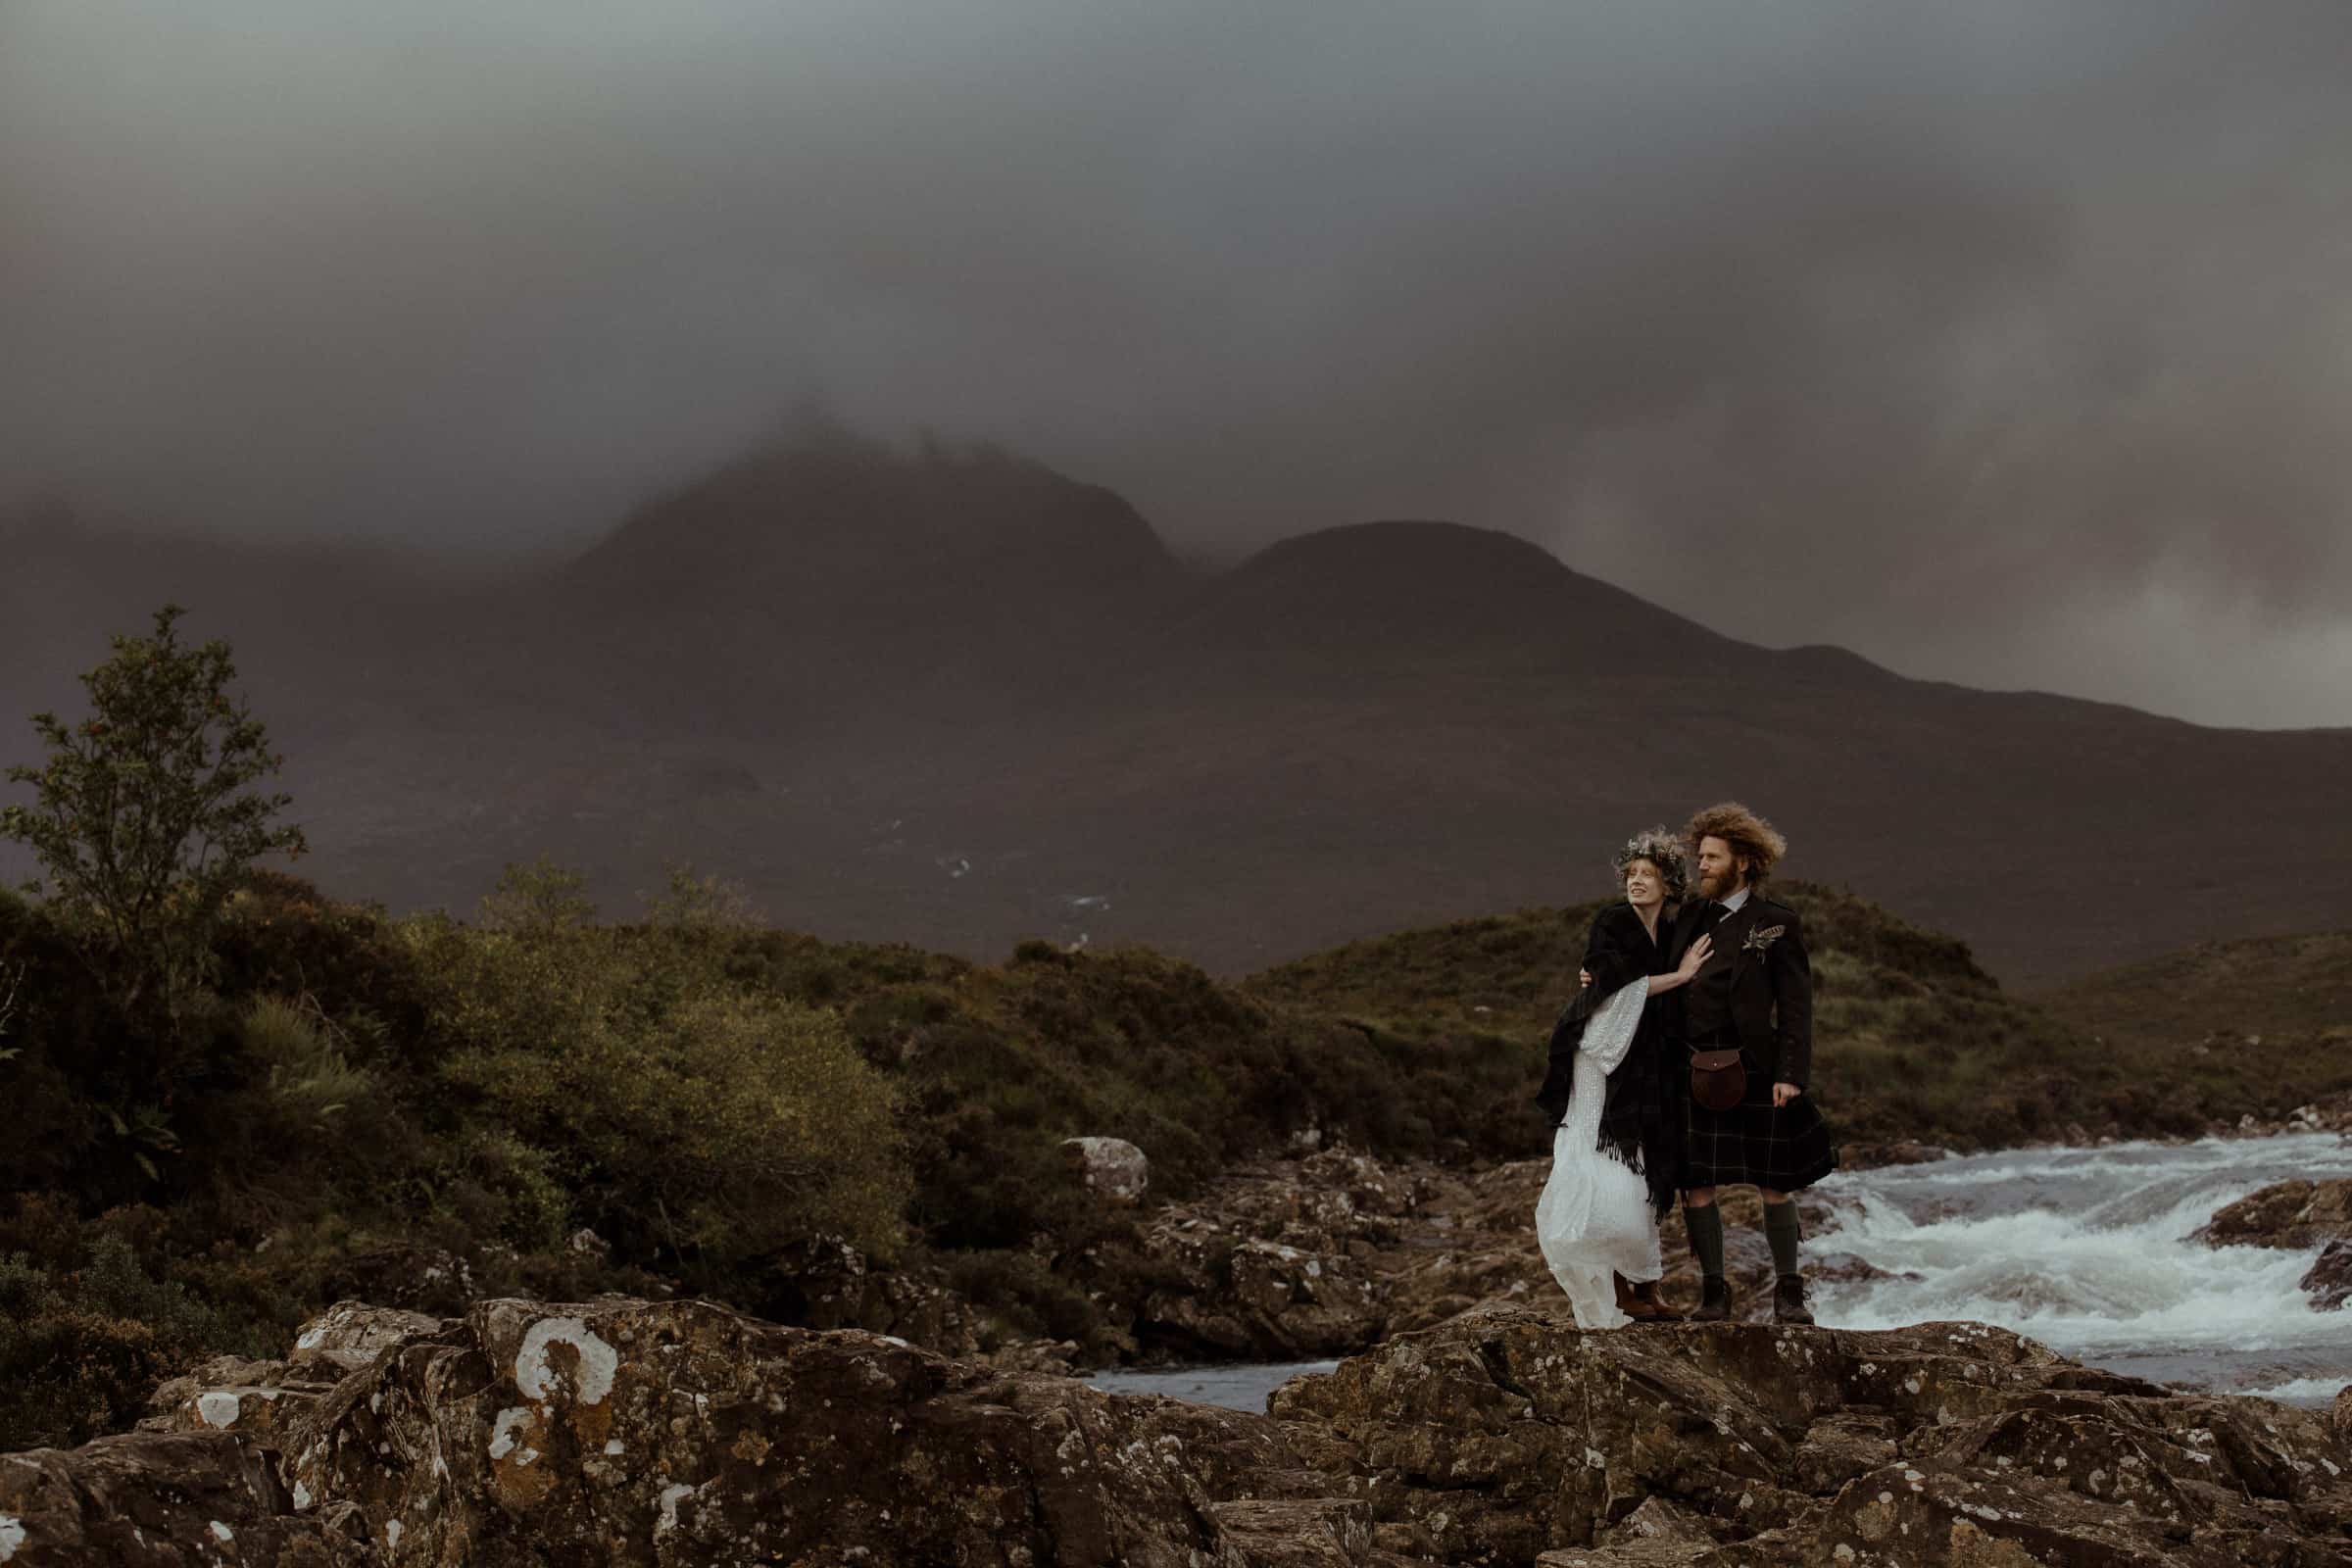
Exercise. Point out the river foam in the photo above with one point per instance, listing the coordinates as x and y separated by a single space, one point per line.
2087 1250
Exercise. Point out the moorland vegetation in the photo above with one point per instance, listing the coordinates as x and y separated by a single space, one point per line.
318 1094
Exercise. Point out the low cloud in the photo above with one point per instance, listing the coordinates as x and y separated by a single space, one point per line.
2003 343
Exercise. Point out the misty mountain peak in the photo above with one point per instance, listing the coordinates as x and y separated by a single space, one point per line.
805 520
1390 584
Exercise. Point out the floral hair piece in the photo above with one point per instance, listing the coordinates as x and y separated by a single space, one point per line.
1661 849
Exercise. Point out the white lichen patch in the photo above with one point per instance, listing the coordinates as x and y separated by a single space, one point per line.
671 1497
302 1496
12 1535
223 1533
598 1361
217 1409
502 1430
613 1445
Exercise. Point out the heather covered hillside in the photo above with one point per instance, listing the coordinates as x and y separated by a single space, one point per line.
1913 1038
535 1100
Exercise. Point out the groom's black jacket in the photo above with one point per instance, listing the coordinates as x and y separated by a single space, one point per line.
1760 975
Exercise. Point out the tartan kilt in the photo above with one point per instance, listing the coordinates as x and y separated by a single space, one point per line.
1754 1144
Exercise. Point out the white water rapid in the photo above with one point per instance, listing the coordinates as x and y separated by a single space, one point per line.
2087 1250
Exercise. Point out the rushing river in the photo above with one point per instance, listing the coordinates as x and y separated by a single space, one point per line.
2085 1250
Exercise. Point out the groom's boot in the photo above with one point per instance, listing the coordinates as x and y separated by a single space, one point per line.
1789 1295
1705 1227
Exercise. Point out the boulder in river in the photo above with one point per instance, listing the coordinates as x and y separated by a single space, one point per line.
2289 1213
2296 1215
2329 1280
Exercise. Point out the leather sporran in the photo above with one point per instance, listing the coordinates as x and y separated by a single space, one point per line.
1718 1078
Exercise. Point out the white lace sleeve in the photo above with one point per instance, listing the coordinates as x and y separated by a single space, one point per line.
1611 1029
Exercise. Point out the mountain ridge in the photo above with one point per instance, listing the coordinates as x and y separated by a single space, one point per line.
1357 728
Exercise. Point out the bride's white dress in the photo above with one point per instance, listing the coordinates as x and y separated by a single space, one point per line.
1594 1218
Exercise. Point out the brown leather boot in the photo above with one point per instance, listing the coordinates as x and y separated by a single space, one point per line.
1652 1306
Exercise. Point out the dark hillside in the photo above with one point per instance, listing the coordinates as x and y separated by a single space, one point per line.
2273 1015
956 699
1912 1039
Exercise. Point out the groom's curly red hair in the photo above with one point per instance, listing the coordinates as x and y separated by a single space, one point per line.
1748 835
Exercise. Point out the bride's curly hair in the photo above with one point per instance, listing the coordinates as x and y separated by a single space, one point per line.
1747 834
1661 849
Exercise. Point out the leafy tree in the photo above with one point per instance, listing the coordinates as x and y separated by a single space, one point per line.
143 819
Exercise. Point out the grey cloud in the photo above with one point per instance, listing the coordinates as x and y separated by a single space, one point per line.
2001 342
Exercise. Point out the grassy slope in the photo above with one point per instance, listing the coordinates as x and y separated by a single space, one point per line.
1000 1062
1912 1038
2252 1026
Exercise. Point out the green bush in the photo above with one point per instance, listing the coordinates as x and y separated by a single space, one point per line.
83 1347
686 1116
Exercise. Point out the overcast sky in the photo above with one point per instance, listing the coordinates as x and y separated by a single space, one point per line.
2006 343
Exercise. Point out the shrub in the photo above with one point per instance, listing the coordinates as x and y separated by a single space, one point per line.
81 1349
143 821
686 1116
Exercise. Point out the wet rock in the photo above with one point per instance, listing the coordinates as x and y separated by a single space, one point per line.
162 1499
2329 1280
1111 1168
1905 1151
1847 1268
2290 1214
2296 1215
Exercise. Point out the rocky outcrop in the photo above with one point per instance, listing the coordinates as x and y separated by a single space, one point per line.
1325 1254
161 1499
2329 1280
1280 1262
684 1433
1505 1435
826 1282
2296 1215
679 1434
2292 1215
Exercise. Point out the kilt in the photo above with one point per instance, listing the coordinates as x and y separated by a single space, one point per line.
1754 1144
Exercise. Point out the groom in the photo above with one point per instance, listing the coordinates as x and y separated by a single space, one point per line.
1755 992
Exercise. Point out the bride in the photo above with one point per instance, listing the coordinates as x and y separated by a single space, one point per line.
1617 1098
